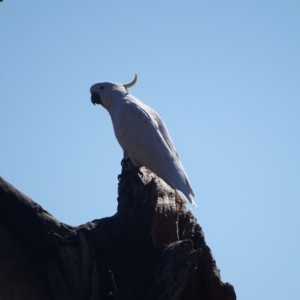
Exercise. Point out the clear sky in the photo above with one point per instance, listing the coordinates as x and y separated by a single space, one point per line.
223 75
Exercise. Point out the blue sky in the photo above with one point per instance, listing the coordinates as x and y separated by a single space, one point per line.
224 76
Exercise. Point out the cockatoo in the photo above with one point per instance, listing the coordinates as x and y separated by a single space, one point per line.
142 134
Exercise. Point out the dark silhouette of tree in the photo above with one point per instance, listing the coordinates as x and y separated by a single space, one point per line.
152 248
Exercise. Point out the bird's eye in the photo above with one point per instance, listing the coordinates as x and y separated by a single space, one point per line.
102 87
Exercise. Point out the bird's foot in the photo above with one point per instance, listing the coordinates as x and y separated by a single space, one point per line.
128 168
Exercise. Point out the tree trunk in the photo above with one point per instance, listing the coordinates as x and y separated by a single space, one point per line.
152 248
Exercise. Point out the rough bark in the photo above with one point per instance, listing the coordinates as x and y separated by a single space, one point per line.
152 248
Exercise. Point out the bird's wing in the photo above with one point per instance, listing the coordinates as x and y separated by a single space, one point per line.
163 130
142 134
166 137
138 132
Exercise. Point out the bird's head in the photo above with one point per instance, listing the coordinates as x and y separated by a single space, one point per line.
105 93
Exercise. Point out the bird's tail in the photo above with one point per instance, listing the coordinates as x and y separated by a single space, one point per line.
186 198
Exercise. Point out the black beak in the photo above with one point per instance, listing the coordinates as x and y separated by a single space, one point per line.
95 98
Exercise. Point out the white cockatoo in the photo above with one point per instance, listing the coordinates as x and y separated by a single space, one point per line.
142 134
